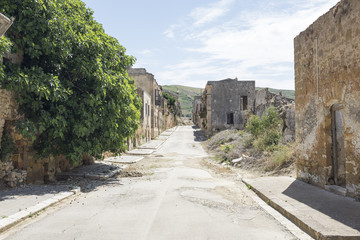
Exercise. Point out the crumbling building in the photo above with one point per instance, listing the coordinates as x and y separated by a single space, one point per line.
226 104
327 96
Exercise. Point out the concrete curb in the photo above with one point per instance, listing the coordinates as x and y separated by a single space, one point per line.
152 148
285 213
292 227
118 160
12 220
293 218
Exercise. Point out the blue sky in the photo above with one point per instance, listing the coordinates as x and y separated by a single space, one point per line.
191 42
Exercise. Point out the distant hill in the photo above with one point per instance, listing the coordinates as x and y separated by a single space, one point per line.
186 95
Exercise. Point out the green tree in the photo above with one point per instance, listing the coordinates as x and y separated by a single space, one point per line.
72 86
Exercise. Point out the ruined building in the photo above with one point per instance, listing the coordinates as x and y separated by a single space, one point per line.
262 100
286 107
147 82
226 104
156 116
327 96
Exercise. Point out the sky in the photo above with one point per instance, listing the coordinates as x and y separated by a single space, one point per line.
190 42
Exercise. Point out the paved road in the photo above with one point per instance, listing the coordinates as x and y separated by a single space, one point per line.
178 197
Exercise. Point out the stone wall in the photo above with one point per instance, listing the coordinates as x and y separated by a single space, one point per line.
327 95
228 104
22 166
196 111
286 107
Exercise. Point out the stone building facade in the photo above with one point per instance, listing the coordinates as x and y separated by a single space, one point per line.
143 133
195 115
160 118
226 104
148 84
327 95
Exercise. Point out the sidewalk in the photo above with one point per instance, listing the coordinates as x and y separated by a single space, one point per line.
23 202
20 203
321 214
151 146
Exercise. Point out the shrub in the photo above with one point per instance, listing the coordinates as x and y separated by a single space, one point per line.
266 131
226 148
254 125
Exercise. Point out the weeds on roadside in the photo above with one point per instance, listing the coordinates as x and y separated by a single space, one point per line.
280 156
265 131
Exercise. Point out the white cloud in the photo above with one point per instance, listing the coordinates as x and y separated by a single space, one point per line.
146 52
199 17
253 45
203 15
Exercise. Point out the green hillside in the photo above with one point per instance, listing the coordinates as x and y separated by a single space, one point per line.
186 95
286 93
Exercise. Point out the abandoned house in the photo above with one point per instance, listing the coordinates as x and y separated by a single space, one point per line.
143 133
147 83
226 104
154 106
327 96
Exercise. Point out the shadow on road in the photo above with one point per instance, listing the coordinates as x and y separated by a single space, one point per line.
33 190
199 135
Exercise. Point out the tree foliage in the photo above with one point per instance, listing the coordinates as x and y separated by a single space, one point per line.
72 86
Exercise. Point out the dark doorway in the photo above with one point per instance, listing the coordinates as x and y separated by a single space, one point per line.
338 145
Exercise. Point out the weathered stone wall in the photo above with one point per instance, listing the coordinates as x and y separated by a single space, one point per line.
147 82
196 111
327 74
286 107
23 166
225 97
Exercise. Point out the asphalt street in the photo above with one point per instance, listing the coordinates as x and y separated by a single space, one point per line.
178 197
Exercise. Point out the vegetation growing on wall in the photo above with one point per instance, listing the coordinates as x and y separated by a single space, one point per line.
258 146
266 131
5 45
72 86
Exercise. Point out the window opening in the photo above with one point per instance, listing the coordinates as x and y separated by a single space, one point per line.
230 118
243 103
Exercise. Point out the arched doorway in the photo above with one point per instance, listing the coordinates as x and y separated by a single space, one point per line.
338 145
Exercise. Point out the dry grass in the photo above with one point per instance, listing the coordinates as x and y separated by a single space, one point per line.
233 144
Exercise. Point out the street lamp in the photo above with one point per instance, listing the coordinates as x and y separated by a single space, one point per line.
5 23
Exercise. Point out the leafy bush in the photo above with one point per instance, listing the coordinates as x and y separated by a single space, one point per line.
171 99
254 126
266 131
72 86
7 147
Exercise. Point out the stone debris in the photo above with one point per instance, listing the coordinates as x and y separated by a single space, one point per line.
10 176
237 160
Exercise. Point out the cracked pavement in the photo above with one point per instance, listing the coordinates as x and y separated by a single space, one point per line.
178 197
